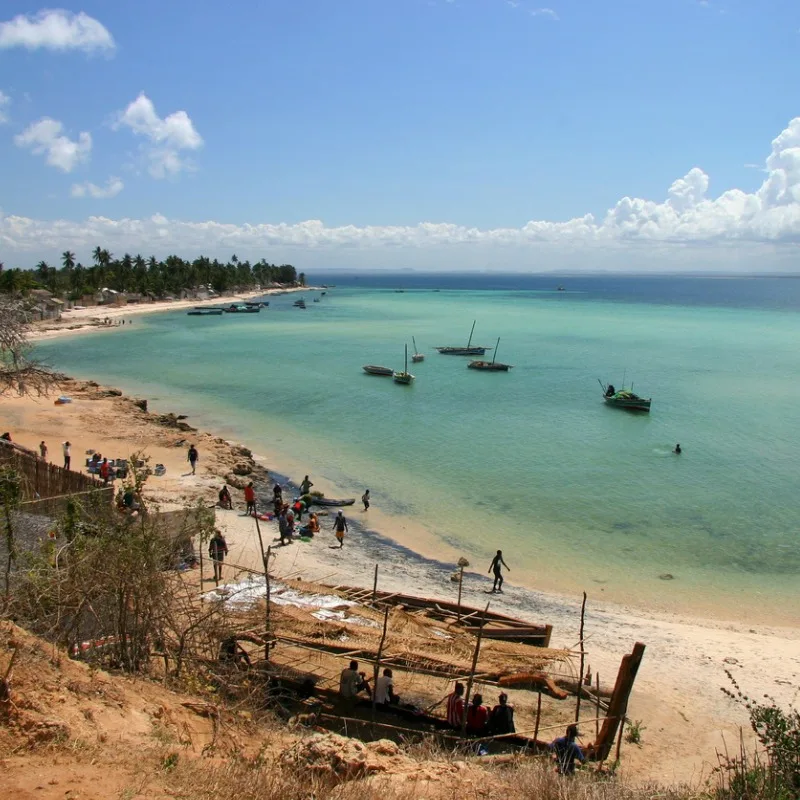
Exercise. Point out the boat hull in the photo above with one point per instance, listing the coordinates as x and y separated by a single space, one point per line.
404 378
462 351
213 313
373 369
628 403
489 366
417 357
327 501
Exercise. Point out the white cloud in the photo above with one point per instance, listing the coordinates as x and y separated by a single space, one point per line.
545 12
56 29
112 188
688 228
5 101
168 136
45 137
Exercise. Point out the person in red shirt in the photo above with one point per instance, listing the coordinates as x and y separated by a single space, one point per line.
455 706
250 499
477 716
105 471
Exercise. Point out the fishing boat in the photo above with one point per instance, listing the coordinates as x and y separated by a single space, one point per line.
257 304
491 366
416 356
205 312
300 303
404 377
240 308
329 501
373 369
624 398
469 350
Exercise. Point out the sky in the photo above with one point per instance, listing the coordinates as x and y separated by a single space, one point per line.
627 135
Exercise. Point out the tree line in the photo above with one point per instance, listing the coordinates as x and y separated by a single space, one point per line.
146 276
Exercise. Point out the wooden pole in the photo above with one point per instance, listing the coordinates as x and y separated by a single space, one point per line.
538 714
583 657
619 740
597 699
460 586
375 587
618 705
377 666
472 670
265 562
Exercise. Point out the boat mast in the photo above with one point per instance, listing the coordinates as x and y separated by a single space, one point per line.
469 341
495 349
405 369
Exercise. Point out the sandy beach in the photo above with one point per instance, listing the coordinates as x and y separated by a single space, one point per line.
686 717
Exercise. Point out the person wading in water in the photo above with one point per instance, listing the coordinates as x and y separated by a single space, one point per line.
495 567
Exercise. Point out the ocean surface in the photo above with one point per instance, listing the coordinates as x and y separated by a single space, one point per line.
578 495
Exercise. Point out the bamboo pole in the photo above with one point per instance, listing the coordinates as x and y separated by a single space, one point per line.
619 740
265 561
376 668
583 657
597 699
472 670
535 732
460 587
375 586
538 713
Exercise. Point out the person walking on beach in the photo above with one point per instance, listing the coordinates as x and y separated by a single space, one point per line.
495 567
250 499
193 455
277 496
105 471
305 486
43 450
340 526
217 550
284 531
66 447
365 500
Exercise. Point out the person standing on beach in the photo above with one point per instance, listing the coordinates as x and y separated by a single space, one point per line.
217 550
250 499
284 531
105 471
193 456
305 486
277 496
67 454
340 526
495 567
365 500
43 450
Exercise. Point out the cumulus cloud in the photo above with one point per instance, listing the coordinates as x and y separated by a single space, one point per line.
5 101
167 137
766 221
56 29
112 188
45 138
545 12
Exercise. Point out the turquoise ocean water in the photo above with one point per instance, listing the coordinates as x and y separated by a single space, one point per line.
577 494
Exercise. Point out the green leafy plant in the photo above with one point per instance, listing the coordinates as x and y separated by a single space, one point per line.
634 733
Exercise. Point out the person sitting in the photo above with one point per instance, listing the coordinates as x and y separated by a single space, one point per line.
501 718
384 689
566 751
311 528
351 682
610 390
455 706
231 652
225 500
477 716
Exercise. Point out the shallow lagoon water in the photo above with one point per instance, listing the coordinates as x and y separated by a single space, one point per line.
531 461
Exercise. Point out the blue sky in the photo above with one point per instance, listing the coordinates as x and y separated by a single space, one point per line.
405 133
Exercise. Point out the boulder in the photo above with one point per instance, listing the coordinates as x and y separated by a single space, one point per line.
242 468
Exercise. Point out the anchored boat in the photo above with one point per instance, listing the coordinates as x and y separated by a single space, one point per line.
469 350
491 366
404 377
624 398
416 356
374 369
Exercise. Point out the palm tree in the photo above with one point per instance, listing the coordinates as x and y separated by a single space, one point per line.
97 255
68 260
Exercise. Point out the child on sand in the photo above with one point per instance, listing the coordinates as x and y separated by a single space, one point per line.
365 500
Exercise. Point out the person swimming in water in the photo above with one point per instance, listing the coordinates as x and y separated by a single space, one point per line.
677 450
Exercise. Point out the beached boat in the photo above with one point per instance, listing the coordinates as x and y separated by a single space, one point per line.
469 350
374 369
404 377
491 366
624 398
327 501
205 312
416 356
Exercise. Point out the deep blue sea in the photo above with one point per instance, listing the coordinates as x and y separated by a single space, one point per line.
580 495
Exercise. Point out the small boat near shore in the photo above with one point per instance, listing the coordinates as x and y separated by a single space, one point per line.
257 304
241 308
469 350
416 356
299 303
624 398
205 312
404 377
374 369
327 501
491 366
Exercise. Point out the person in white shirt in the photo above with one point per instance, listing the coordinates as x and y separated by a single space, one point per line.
384 689
351 682
67 454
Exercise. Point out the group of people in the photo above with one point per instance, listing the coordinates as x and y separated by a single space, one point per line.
352 683
480 721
